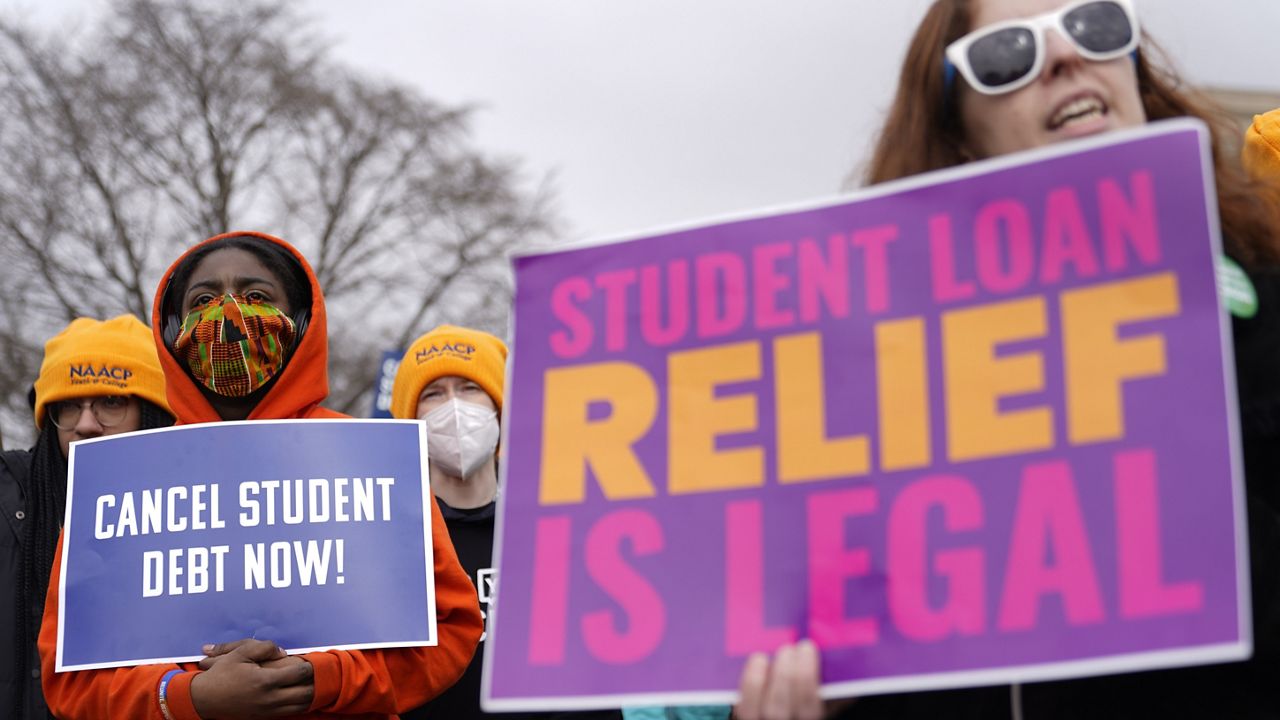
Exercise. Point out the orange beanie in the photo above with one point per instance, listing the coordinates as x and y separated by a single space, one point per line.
449 350
91 358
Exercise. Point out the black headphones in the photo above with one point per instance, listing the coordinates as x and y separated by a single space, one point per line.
172 326
300 321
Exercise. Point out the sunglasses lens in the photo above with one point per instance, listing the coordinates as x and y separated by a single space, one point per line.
1003 57
1100 27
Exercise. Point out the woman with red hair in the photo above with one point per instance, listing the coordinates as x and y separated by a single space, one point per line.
987 78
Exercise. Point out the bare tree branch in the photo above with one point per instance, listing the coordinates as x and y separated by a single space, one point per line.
172 120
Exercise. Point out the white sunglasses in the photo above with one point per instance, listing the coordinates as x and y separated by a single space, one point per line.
1006 56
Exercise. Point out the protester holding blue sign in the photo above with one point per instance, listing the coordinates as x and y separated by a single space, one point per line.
97 378
986 78
241 327
452 379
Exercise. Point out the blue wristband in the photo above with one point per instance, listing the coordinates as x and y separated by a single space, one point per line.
162 693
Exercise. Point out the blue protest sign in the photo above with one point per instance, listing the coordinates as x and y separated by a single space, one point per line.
381 406
313 533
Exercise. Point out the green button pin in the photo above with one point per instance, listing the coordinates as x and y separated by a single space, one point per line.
1235 289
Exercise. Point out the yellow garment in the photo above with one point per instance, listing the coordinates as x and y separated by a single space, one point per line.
1262 146
448 350
91 358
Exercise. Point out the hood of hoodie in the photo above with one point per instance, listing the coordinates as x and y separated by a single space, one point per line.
296 393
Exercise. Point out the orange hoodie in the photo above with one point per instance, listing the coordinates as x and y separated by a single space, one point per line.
360 683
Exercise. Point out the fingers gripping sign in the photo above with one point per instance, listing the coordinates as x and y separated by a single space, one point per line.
252 678
787 689
215 652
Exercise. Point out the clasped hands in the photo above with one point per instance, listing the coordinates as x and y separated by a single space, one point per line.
250 679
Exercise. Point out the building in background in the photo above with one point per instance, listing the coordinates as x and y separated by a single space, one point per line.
1243 105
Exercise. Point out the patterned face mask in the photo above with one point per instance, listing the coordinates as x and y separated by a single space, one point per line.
234 346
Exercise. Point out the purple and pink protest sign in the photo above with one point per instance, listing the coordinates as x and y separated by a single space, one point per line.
973 427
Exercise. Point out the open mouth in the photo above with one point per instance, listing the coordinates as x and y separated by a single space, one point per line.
1080 110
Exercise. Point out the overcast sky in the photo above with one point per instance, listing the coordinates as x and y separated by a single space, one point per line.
650 112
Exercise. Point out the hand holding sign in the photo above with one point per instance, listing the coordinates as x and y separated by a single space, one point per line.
252 678
785 688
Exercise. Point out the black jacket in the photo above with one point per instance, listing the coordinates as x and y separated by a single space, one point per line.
1249 689
15 468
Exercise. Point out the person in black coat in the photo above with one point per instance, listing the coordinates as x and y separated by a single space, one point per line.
452 379
98 378
986 78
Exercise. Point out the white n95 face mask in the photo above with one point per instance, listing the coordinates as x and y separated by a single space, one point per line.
461 436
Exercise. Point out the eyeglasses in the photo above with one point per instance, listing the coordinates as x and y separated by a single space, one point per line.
1006 56
108 410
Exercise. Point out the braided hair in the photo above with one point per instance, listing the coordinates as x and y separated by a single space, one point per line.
46 503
